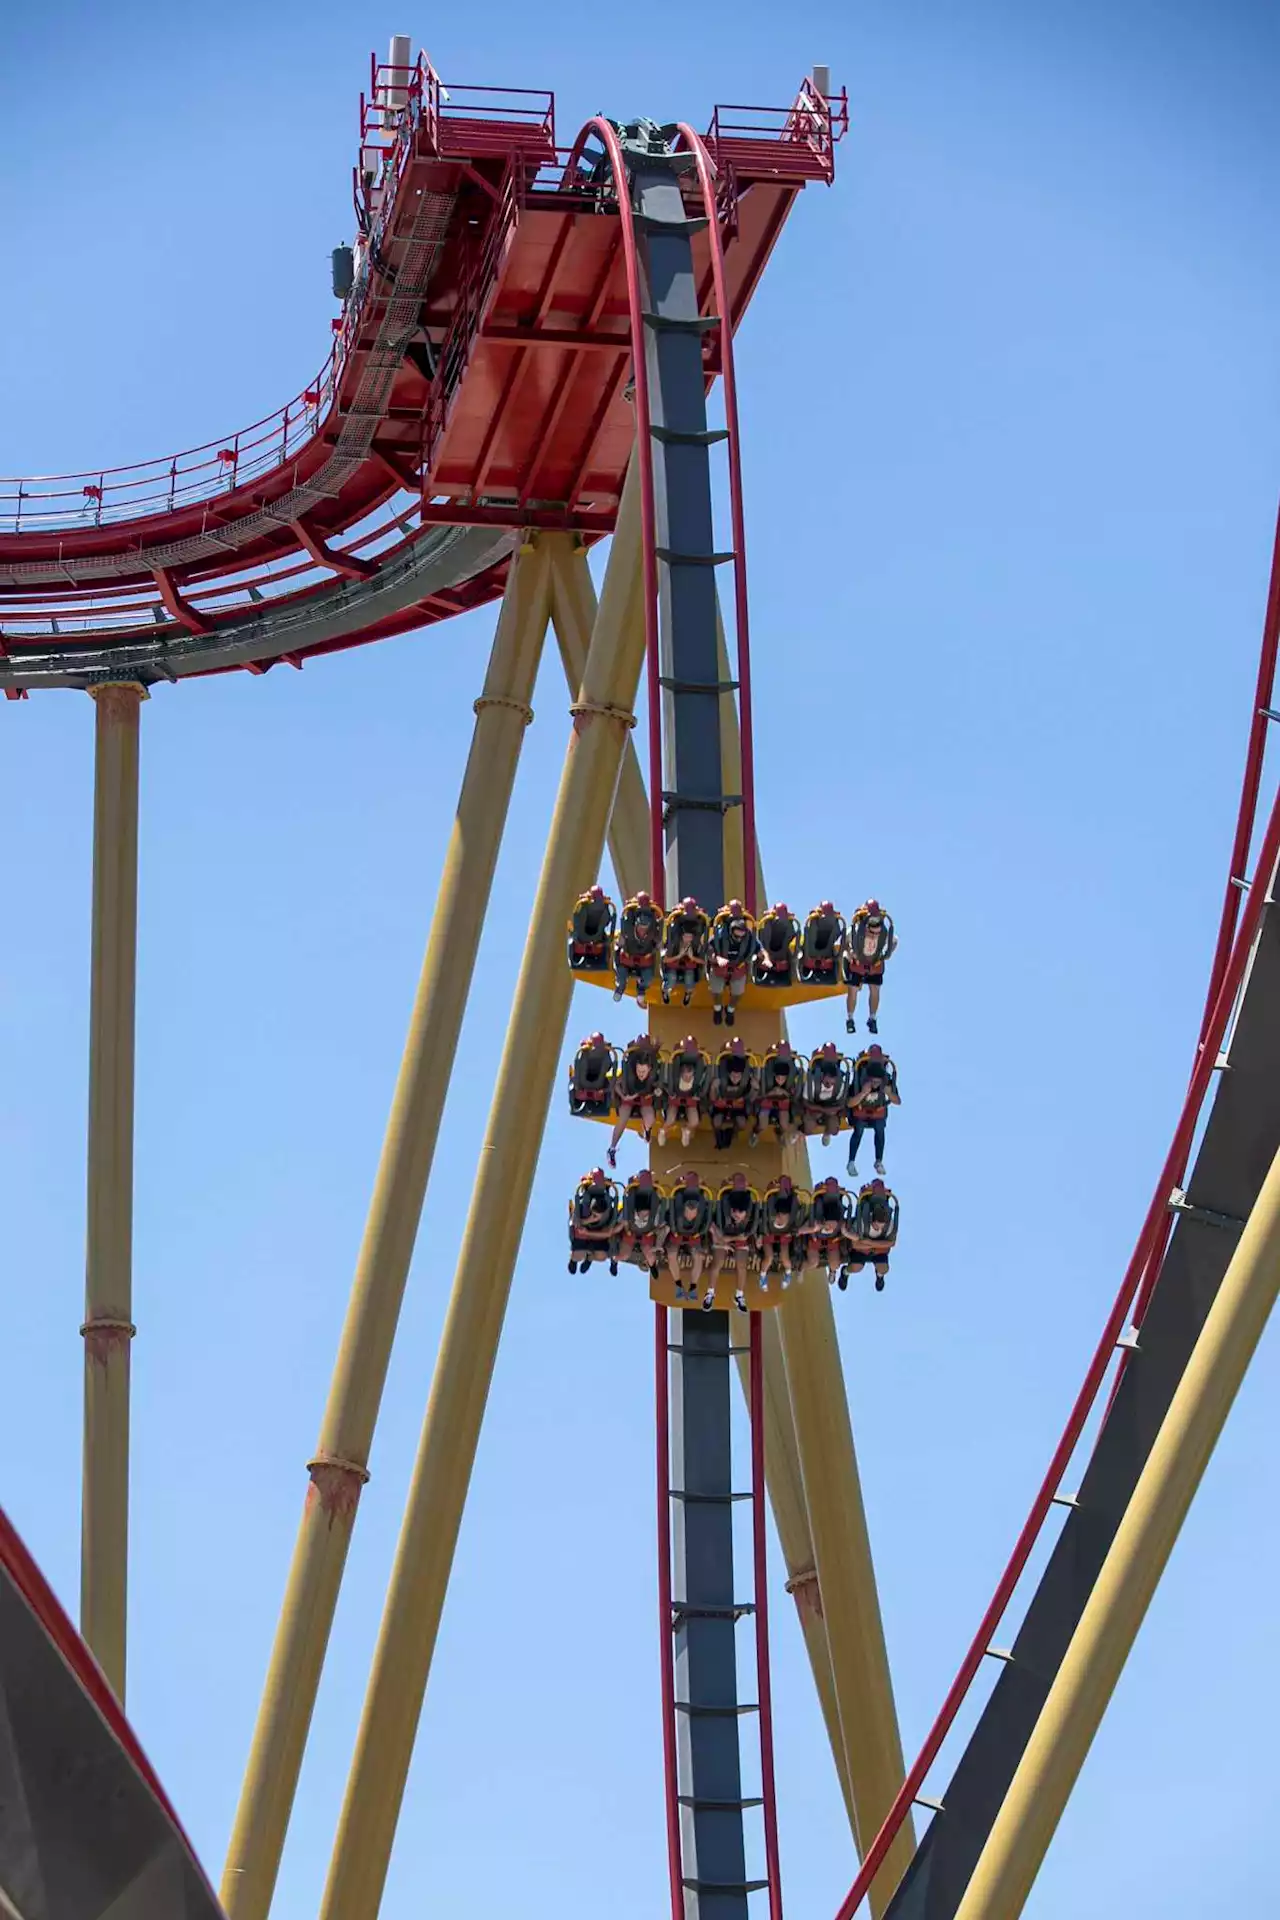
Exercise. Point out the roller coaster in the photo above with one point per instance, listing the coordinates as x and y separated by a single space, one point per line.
535 353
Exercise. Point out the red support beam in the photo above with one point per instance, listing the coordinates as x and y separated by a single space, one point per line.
182 610
325 556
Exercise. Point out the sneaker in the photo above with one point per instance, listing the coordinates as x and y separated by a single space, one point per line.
879 1283
708 1299
573 1266
613 1268
729 1016
688 995
612 1156
843 1281
666 996
851 1026
826 1139
740 1301
880 1166
618 992
851 1170
873 1025
717 1013
662 1136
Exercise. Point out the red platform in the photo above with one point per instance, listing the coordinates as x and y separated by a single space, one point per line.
477 379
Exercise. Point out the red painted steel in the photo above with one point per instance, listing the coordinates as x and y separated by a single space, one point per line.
1246 820
737 517
649 537
17 1562
760 1562
662 1423
520 422
1152 1227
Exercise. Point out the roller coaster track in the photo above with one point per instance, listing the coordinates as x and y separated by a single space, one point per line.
85 1826
704 1805
1168 1287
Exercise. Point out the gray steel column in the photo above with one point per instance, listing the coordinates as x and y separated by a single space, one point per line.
708 1712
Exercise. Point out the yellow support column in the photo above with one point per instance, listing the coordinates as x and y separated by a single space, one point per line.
846 1586
469 1344
108 1326
1078 1698
573 615
339 1468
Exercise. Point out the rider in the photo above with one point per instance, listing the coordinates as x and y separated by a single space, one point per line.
689 1235
591 1078
733 1235
873 1092
733 1083
777 939
644 1221
684 944
591 929
821 945
635 951
873 1232
638 1089
827 1227
594 1212
780 1093
688 1077
732 947
826 1093
871 942
782 1217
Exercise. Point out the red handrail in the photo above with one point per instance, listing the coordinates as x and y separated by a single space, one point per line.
760 1559
1152 1227
737 518
662 1421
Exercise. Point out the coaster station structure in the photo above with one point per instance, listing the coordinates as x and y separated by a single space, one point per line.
528 338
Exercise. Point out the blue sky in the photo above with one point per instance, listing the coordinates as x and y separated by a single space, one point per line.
1010 401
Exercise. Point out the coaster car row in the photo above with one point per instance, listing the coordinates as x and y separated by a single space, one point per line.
686 948
651 1090
698 1236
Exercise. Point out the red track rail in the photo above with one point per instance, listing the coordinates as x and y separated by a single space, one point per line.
648 529
670 1764
707 184
1229 977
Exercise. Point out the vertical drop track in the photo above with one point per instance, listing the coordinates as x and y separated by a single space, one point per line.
694 1354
